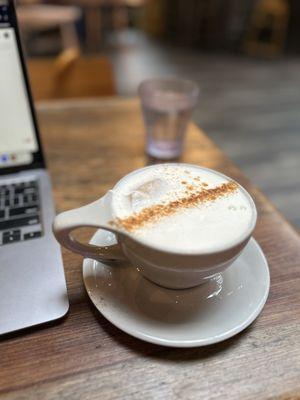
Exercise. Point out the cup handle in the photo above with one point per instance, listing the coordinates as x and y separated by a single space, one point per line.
96 214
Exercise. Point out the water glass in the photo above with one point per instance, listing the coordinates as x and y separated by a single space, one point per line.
167 106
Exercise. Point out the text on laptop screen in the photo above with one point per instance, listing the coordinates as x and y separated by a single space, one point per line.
17 133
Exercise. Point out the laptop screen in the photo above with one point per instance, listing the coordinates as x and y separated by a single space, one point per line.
18 141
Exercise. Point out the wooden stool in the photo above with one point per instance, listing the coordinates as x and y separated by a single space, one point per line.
39 17
271 16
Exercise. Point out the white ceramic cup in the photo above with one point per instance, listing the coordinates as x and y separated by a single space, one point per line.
170 269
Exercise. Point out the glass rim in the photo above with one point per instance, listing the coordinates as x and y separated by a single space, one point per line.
192 87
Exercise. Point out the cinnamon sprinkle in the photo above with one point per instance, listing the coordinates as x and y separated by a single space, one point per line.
190 187
157 211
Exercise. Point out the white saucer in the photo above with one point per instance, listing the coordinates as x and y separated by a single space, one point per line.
200 316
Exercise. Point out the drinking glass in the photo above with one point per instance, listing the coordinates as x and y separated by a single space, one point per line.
167 106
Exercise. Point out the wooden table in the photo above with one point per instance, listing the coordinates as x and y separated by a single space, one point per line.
89 146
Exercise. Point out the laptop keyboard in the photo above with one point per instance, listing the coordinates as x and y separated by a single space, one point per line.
20 217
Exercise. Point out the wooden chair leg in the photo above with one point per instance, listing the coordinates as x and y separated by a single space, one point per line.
93 28
69 36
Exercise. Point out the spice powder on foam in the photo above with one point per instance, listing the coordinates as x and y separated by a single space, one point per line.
157 211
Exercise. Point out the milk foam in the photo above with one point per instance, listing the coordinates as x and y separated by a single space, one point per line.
203 227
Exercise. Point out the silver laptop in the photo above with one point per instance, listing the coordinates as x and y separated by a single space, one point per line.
32 281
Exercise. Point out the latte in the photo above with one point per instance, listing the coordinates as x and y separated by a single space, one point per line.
182 208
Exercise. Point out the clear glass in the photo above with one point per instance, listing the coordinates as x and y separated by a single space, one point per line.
167 106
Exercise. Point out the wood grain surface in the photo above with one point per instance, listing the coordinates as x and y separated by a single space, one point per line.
89 145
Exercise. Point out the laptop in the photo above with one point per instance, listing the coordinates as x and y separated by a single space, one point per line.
32 281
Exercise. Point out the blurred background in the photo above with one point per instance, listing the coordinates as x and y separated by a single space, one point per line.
245 56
